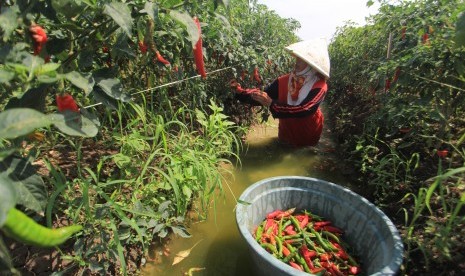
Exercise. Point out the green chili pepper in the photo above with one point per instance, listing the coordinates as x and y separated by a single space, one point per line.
24 229
323 244
259 232
279 244
270 247
331 236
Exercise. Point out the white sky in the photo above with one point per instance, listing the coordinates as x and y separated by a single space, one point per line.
320 18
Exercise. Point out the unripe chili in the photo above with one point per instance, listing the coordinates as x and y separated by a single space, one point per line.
24 229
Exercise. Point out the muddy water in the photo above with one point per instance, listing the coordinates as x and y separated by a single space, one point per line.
216 247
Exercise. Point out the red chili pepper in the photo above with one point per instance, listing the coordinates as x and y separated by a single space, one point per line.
321 223
290 230
161 59
66 102
354 270
256 75
143 47
39 36
286 213
317 270
307 254
442 153
198 52
425 38
273 214
286 251
304 221
105 49
336 271
325 257
387 85
296 266
332 229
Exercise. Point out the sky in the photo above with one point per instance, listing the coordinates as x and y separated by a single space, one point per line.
320 18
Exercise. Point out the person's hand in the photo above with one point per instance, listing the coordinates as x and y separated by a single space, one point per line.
262 98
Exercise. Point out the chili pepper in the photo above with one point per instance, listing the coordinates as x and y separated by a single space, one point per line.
403 32
143 47
285 213
296 266
259 232
279 245
285 250
354 270
24 229
105 49
332 229
325 257
161 59
336 270
331 236
304 222
66 102
198 52
273 214
321 223
256 75
270 247
387 84
425 38
290 230
307 256
318 271
442 153
39 36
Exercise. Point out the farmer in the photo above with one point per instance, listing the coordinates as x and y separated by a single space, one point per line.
295 98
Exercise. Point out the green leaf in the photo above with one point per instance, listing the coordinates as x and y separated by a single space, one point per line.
9 21
181 231
103 98
6 76
186 20
47 68
28 185
460 30
151 9
114 89
121 14
68 8
72 123
16 122
7 197
85 83
224 2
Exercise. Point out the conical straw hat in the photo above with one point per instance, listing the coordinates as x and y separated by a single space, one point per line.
314 52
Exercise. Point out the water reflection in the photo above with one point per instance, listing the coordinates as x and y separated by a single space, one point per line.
221 250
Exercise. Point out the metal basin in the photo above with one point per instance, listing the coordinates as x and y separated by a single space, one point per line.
367 229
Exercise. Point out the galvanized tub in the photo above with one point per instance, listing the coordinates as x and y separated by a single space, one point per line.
367 229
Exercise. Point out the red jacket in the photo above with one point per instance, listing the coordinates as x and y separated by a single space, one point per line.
299 125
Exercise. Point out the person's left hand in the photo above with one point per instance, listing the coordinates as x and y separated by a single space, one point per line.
262 98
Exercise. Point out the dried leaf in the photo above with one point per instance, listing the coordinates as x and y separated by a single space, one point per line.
183 254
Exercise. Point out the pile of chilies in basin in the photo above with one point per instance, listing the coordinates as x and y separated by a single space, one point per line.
306 242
